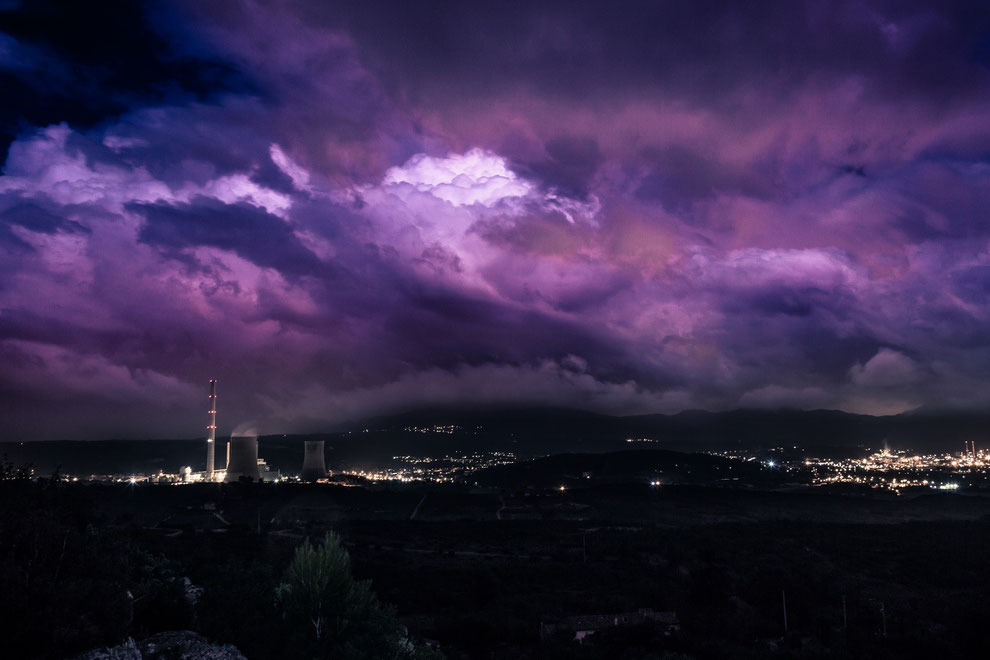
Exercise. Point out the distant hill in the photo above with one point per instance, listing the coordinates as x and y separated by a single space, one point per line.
922 431
104 456
668 467
531 432
554 430
537 418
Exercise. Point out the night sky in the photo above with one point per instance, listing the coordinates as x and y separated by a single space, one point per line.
342 209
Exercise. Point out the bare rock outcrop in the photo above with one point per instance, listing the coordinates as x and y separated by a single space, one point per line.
172 645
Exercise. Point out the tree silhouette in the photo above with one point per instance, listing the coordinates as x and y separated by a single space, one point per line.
330 614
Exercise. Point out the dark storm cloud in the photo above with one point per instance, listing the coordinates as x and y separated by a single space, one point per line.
82 62
27 325
709 48
246 230
570 164
678 176
32 216
35 218
268 175
973 285
442 328
195 143
747 64
346 208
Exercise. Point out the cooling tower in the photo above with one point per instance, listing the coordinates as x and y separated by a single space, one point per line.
243 461
314 464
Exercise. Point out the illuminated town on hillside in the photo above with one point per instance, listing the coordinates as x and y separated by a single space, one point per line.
443 469
894 470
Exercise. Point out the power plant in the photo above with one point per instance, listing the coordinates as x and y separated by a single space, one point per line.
242 455
314 462
211 441
242 459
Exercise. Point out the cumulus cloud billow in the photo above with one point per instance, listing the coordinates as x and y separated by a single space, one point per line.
475 177
343 209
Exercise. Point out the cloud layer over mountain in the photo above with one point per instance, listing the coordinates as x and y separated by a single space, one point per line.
341 209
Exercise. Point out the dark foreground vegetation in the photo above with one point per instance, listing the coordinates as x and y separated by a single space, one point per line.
251 565
71 581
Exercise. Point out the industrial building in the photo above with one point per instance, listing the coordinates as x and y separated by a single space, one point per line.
243 459
314 462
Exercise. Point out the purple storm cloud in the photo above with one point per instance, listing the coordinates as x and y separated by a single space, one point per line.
346 209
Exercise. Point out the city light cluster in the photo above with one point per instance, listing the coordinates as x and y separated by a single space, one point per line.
900 470
437 428
894 470
442 469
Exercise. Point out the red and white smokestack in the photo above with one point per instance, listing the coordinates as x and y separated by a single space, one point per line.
211 440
